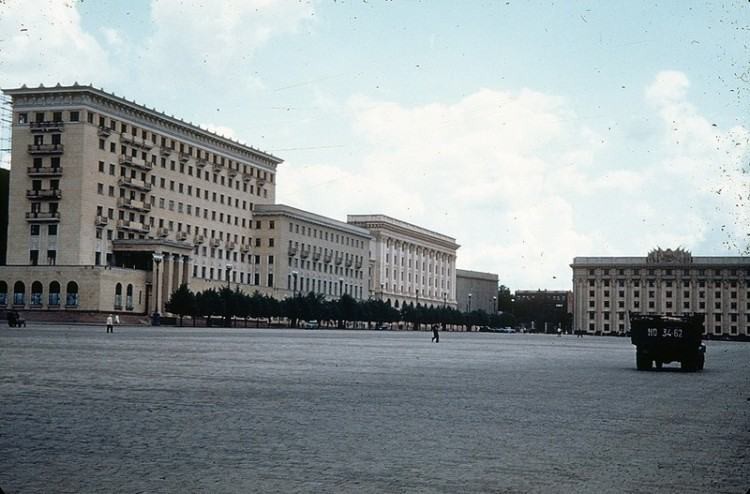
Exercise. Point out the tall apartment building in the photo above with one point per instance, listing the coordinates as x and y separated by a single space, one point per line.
476 291
113 205
312 253
667 282
410 264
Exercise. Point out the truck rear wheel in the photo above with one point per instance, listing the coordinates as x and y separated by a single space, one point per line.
689 365
642 362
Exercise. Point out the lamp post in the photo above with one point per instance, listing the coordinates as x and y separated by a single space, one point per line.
157 258
468 306
445 297
494 305
382 291
227 315
294 286
341 287
416 313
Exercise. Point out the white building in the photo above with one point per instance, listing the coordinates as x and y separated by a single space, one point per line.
410 264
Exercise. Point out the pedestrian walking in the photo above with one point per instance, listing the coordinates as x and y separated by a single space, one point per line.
109 324
117 319
435 334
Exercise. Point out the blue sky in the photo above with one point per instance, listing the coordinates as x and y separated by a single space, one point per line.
530 131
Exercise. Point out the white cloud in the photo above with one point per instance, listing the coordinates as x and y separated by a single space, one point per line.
221 130
524 186
43 42
216 41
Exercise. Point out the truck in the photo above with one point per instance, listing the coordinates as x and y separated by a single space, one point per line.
661 339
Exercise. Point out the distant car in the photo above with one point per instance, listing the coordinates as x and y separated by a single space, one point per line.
309 324
382 327
485 329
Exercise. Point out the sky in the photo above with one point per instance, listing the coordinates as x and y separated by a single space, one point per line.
532 132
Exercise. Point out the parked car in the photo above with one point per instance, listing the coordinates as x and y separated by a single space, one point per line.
309 324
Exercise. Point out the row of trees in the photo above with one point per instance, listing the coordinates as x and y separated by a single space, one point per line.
229 304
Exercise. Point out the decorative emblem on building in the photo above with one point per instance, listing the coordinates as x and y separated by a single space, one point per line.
669 256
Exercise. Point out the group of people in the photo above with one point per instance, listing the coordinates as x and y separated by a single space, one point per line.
111 321
14 319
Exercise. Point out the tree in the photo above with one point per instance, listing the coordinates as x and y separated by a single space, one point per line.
504 299
182 302
209 303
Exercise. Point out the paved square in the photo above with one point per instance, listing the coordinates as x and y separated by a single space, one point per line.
202 410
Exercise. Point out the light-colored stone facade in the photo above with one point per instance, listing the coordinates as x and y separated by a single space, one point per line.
476 291
99 181
410 264
312 253
665 282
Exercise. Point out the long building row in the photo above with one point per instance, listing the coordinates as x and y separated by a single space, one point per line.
114 205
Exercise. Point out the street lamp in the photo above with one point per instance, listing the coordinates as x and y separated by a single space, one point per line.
227 315
494 305
468 309
445 297
382 291
157 258
341 287
294 287
228 267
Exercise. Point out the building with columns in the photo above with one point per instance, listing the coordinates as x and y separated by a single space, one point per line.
669 282
312 253
113 205
410 264
476 291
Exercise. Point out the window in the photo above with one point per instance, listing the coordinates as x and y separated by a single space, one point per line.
34 230
74 116
34 257
72 294
52 230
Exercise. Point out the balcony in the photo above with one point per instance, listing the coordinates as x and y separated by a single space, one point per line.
316 256
339 260
349 262
124 202
217 168
42 216
260 182
45 149
200 162
165 151
46 126
135 162
133 226
44 194
358 264
246 177
162 232
103 131
44 171
327 258
184 157
215 243
136 141
292 251
134 183
232 172
101 221
182 236
245 248
199 239
305 253
230 245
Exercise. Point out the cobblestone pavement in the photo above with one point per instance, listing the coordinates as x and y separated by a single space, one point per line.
202 410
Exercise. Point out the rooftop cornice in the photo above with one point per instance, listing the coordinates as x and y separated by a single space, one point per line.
152 112
479 275
299 214
388 223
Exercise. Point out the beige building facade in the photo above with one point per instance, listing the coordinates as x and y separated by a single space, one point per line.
669 282
126 203
409 264
313 253
476 291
